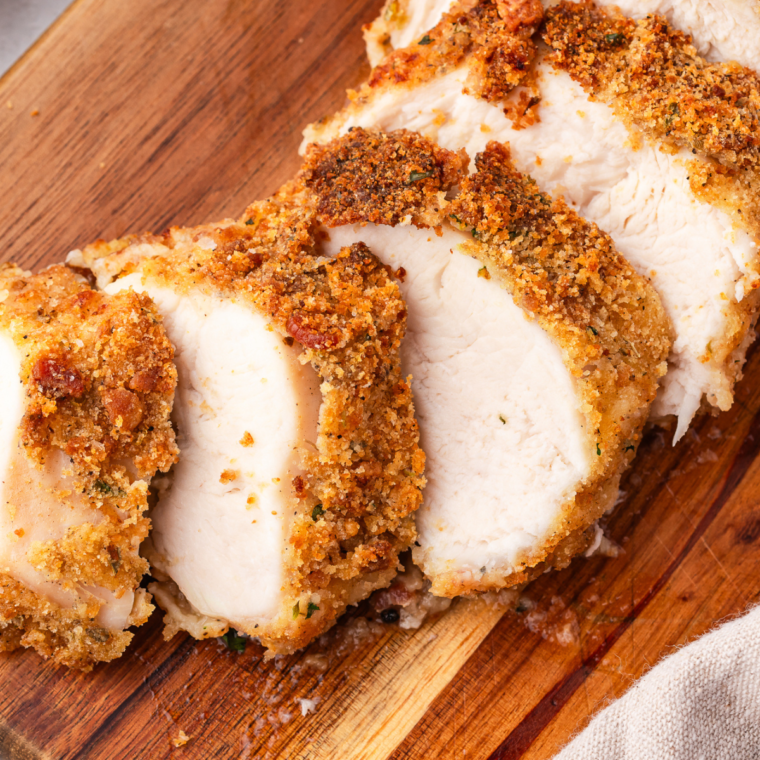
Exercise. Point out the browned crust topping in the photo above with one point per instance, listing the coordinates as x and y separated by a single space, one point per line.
493 38
69 637
385 178
657 79
652 76
495 35
561 268
608 321
354 507
99 380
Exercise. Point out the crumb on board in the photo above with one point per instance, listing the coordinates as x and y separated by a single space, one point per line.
181 739
308 706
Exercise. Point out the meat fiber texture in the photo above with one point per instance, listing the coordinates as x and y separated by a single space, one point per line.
87 387
528 410
701 261
299 464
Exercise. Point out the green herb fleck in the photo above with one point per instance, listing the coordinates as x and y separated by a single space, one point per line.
249 221
234 641
103 487
598 450
296 610
455 218
475 233
503 420
513 234
317 512
630 447
614 39
593 330
311 609
426 40
415 176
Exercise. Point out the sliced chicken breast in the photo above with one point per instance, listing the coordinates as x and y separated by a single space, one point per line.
300 467
697 251
87 388
534 349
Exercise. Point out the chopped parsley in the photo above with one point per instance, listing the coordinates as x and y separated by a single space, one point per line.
475 233
233 641
317 512
103 487
614 39
598 450
311 608
503 420
415 176
249 221
593 330
426 40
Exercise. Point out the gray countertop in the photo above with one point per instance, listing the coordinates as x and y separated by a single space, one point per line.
21 23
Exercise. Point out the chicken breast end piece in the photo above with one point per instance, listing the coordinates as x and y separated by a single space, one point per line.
88 383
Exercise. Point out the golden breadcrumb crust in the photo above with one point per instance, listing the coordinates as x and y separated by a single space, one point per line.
659 86
563 272
657 80
380 178
99 381
354 506
493 38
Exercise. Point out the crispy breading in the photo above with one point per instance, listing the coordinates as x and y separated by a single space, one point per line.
381 178
565 273
492 37
652 77
99 379
348 316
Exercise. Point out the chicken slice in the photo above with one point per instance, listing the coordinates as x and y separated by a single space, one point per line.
532 376
87 388
300 467
700 255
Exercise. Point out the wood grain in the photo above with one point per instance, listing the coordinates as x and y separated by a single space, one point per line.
157 112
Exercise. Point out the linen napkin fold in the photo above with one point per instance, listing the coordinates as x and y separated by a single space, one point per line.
701 703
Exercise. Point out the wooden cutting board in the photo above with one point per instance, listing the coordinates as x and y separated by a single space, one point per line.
138 114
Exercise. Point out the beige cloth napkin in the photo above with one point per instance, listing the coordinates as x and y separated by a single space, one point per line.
701 703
